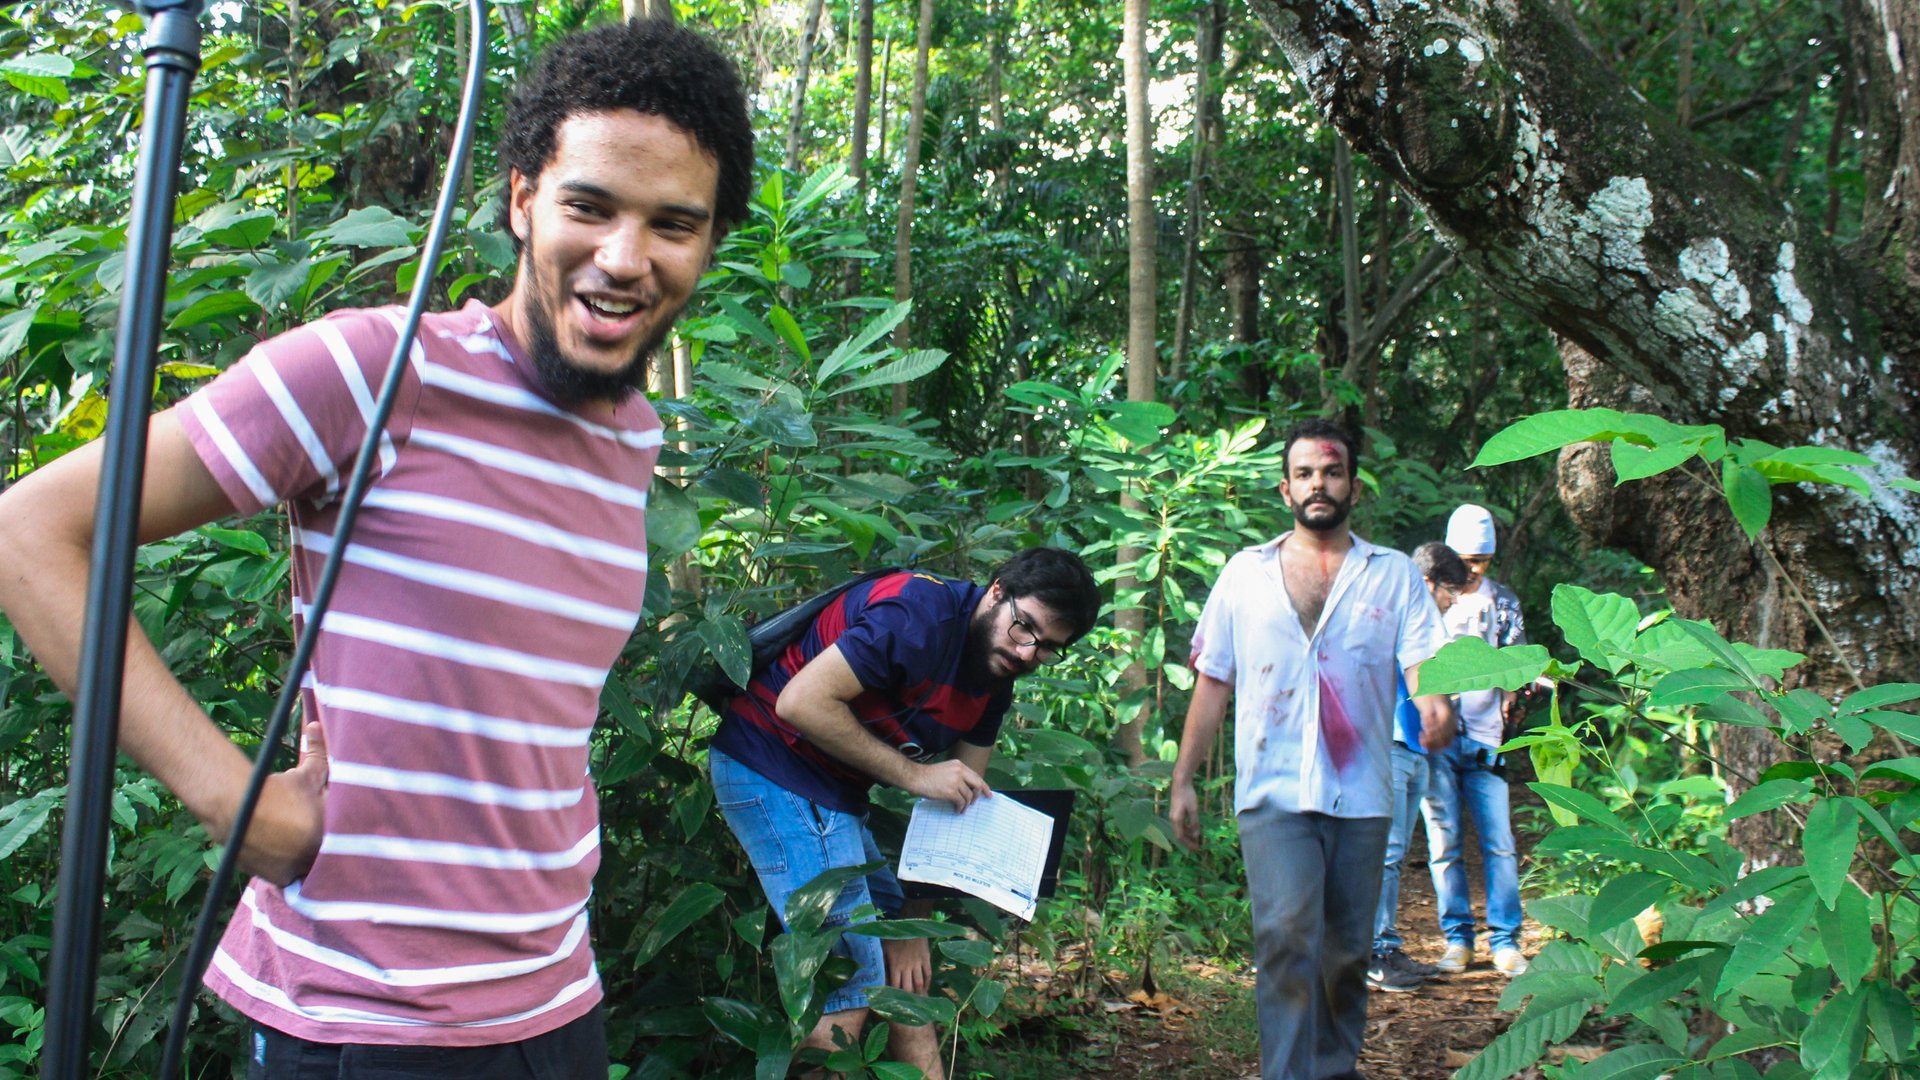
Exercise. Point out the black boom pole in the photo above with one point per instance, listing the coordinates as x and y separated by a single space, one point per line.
172 50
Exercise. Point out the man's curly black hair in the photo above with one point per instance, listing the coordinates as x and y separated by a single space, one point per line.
651 66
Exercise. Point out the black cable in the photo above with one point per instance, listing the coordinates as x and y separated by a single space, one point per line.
199 951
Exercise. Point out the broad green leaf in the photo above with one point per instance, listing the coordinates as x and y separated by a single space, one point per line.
1695 687
273 283
693 903
367 227
796 956
741 1021
1905 483
1822 455
673 522
1749 496
1599 625
808 906
1767 936
987 996
1890 1018
214 305
1522 1044
1709 638
43 75
1787 472
906 369
1623 898
784 426
782 321
13 329
726 641
1873 697
1632 462
1745 1041
738 487
1767 796
968 952
1846 929
852 350
1469 663
1548 431
1583 804
1140 422
912 1009
1831 836
25 824
1655 986
1640 1061
906 929
1906 768
1905 725
237 539
1836 1036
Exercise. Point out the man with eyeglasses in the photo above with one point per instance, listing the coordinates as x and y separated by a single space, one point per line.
903 680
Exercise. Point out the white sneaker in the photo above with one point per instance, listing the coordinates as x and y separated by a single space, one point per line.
1455 959
1509 961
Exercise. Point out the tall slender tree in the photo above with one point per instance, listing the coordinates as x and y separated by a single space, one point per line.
1143 359
803 70
909 182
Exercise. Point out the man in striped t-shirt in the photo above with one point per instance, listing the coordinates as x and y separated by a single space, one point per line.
422 875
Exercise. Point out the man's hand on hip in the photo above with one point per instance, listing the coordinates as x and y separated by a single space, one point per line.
288 824
952 781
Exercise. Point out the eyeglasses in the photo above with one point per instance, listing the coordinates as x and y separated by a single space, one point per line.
1022 632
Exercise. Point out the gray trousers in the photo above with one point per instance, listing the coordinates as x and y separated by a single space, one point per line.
1314 881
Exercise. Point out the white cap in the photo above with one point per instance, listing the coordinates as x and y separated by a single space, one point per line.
1470 531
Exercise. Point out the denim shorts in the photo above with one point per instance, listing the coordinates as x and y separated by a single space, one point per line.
791 840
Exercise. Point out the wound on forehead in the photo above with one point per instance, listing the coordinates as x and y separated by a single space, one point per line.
1334 448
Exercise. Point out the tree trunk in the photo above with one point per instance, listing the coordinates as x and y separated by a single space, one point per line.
1681 287
1143 362
1246 263
862 98
797 108
909 181
1206 57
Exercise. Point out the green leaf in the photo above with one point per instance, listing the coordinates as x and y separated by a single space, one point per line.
1890 1016
693 903
906 369
1655 986
43 75
735 486
910 1009
1767 796
1767 936
726 641
237 540
789 331
808 906
987 996
1623 898
1749 495
1632 462
367 227
1779 471
1831 836
1599 625
1906 768
1695 687
1583 804
26 823
796 956
783 426
1905 483
968 952
237 225
852 352
273 283
907 929
1835 1037
741 1021
1846 929
1548 431
215 305
1521 1045
1873 697
14 327
1469 663
1640 1061
673 521
1140 422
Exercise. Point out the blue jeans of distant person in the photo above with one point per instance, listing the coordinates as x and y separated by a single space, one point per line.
791 840
1409 787
1312 879
1463 775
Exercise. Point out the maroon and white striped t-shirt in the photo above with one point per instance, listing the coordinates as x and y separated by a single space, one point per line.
495 573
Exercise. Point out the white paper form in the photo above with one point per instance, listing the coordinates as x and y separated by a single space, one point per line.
997 850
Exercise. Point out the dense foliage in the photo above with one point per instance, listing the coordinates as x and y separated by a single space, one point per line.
307 183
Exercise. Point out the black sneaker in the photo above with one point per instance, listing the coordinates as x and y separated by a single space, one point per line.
1407 964
1382 974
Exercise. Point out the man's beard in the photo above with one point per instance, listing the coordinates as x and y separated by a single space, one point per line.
1323 524
569 383
977 650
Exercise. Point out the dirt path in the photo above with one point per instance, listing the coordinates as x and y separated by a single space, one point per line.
1426 1034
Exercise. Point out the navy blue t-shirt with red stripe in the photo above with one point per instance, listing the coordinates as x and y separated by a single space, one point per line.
902 634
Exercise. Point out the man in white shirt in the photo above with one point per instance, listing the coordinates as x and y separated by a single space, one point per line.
1306 634
1467 775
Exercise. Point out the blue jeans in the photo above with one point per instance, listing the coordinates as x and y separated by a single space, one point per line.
1310 877
1463 773
791 840
1409 785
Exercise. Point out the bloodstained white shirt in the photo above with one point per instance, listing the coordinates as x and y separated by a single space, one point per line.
1313 713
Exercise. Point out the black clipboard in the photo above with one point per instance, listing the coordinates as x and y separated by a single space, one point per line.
1056 803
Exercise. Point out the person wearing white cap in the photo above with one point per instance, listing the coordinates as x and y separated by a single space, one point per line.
1468 774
